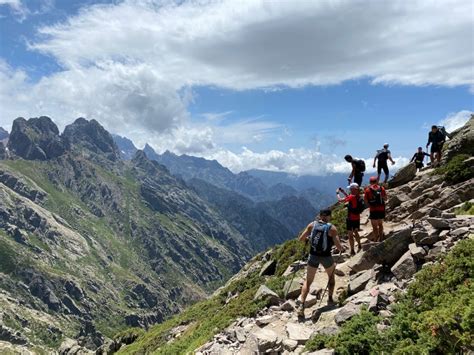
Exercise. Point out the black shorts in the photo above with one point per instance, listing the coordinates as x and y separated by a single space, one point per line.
436 147
315 260
377 215
382 166
358 177
352 225
419 165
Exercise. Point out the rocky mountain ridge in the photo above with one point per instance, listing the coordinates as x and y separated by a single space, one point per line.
426 222
91 244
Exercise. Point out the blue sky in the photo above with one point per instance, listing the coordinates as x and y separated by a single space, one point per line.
281 86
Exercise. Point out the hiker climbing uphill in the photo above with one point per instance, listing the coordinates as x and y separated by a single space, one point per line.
322 235
419 158
358 169
355 206
436 137
375 197
381 157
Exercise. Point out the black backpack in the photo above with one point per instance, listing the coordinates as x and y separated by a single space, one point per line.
360 207
319 240
443 132
360 165
376 198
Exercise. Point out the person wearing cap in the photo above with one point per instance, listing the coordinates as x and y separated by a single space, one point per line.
354 206
375 197
419 158
322 235
381 158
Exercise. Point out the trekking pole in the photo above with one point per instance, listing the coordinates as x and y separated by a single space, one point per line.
329 280
295 271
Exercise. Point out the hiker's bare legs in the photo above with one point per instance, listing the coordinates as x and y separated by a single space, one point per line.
351 240
432 158
331 280
375 229
310 272
357 238
380 229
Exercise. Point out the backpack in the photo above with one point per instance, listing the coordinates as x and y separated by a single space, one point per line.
360 165
319 240
443 132
360 207
376 197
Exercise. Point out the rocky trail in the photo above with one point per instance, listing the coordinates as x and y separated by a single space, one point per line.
421 227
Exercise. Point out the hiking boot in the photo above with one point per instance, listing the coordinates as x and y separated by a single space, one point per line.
353 253
359 248
299 308
330 300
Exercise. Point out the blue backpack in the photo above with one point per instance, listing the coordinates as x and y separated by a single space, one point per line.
320 242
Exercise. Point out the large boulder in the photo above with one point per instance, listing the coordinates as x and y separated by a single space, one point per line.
264 292
403 176
299 332
359 282
36 139
461 142
405 267
386 252
346 313
93 137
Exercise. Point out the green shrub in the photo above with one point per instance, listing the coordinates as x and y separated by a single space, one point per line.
435 316
456 170
7 259
466 208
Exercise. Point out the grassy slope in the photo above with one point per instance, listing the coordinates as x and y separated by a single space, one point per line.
436 315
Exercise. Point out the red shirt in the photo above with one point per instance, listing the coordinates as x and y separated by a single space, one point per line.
368 197
352 201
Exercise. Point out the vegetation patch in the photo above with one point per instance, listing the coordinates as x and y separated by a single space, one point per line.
456 170
466 209
435 316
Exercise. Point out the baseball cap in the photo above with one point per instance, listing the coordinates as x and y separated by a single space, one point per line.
354 185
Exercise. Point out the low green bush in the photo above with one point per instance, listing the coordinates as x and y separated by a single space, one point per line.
435 316
466 208
456 170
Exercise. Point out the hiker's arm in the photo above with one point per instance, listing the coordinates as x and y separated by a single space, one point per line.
390 158
339 198
384 194
352 172
304 236
366 199
335 238
375 159
413 158
429 140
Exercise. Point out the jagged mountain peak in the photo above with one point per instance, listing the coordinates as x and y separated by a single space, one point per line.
3 134
92 136
36 139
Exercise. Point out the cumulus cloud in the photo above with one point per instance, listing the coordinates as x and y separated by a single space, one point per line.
456 120
301 161
132 64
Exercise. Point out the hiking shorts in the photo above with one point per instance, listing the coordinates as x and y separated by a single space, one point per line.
419 165
377 215
315 260
436 148
382 166
358 177
352 225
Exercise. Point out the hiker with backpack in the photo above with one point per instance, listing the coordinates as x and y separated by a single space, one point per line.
375 197
358 169
355 206
381 158
419 158
436 138
322 235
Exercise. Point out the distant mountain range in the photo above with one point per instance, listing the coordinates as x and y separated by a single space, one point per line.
256 185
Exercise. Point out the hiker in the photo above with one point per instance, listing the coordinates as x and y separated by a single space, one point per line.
381 158
419 158
321 235
375 197
436 138
358 168
355 205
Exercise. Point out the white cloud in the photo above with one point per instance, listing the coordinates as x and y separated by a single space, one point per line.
17 7
299 161
456 120
132 65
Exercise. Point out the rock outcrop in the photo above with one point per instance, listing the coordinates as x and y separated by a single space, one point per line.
91 136
462 142
36 139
